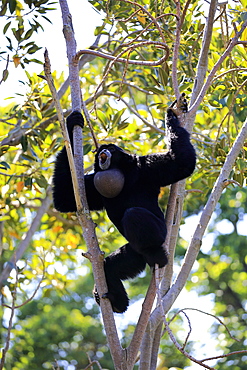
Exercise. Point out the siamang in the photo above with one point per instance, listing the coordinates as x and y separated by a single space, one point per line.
127 186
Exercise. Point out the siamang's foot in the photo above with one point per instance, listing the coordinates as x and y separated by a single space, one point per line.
180 106
96 295
119 300
158 256
75 119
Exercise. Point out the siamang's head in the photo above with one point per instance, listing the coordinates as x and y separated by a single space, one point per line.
110 156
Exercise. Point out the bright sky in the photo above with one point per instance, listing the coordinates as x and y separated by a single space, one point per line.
85 19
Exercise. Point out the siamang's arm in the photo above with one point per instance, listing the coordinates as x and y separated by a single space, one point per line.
63 193
179 162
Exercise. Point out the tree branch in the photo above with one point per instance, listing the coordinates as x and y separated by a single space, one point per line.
94 253
118 58
195 244
200 95
203 58
24 244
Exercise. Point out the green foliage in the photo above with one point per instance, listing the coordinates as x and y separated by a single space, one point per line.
58 327
23 21
223 273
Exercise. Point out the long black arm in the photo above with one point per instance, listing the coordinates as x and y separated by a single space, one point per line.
179 162
63 193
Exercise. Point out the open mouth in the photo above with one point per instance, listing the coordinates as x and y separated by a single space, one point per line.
104 159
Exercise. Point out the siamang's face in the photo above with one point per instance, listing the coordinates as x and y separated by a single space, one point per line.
110 156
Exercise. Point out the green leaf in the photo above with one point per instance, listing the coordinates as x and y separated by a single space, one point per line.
214 103
28 157
206 109
12 6
41 181
163 76
117 117
124 27
28 182
4 165
33 49
28 34
6 27
98 30
155 90
123 125
24 143
87 148
5 75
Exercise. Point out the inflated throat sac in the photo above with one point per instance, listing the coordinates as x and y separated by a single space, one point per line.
109 183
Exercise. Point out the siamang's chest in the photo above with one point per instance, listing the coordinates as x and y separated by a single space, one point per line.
109 183
136 192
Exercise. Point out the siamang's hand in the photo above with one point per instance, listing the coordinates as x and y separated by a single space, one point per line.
175 109
180 106
74 119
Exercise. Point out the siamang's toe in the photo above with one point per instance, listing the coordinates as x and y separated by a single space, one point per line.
119 302
159 256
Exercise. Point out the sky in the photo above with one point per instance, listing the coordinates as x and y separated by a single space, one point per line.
85 19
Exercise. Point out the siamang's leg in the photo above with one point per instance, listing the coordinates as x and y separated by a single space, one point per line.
122 264
146 233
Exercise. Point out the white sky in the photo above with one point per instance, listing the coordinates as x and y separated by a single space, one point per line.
85 19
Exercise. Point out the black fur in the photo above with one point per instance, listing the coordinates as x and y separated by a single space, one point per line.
135 211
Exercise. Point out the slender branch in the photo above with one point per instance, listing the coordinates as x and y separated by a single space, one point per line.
175 53
211 75
94 253
203 58
225 355
144 10
146 122
6 347
34 293
24 244
141 326
118 58
195 244
239 69
47 70
205 313
170 333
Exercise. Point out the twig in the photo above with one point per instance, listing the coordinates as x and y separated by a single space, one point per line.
141 325
225 355
91 363
228 71
172 337
195 244
146 122
144 10
208 314
34 293
217 65
49 79
203 58
96 256
118 59
25 242
175 53
6 347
